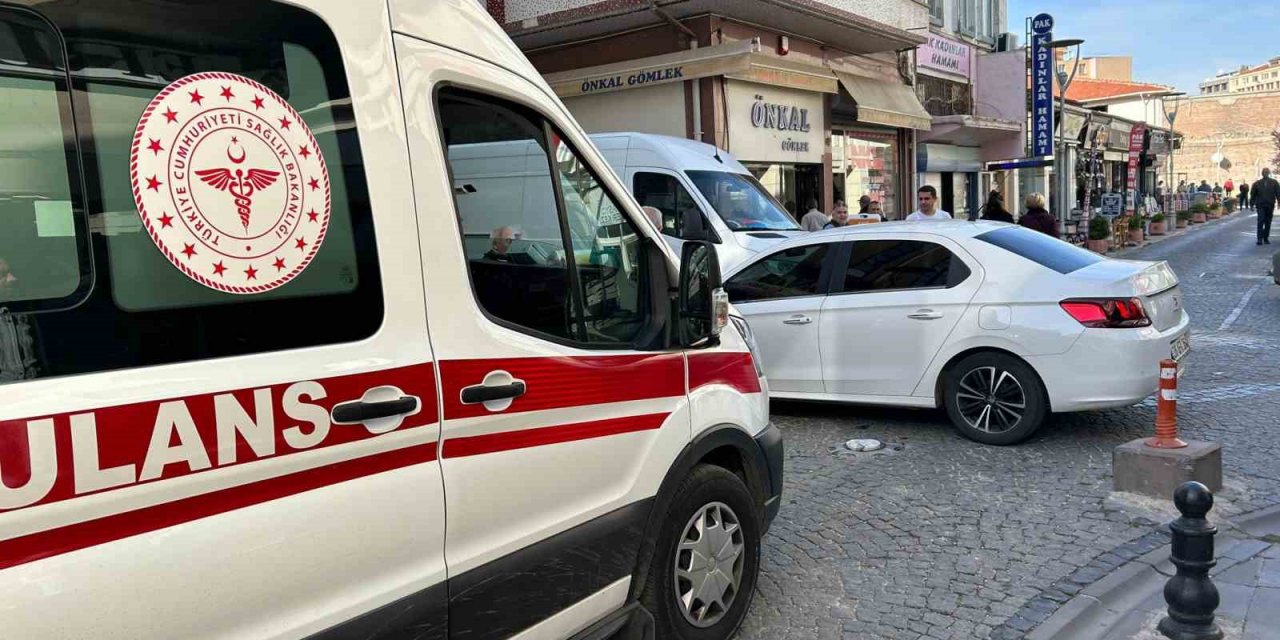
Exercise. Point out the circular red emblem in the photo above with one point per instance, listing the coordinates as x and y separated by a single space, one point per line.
230 183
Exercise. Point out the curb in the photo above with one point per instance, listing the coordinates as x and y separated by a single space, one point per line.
1126 588
1086 617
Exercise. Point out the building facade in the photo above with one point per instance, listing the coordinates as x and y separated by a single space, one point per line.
977 99
841 71
1261 78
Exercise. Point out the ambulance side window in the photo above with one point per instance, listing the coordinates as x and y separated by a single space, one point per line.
548 250
44 262
84 288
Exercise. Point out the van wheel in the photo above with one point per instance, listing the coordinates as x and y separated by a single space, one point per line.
994 398
706 558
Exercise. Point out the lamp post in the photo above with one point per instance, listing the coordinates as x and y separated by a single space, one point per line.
1060 168
1170 116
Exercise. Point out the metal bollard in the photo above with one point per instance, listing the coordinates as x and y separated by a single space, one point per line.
1167 409
1190 593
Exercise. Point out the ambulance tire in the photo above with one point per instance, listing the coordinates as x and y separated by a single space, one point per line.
718 497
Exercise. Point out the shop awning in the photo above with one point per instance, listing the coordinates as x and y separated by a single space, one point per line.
971 131
772 70
885 103
724 59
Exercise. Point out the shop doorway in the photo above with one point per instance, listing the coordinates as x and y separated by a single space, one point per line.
959 193
791 184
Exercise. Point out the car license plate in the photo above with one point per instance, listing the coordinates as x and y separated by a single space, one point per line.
1181 347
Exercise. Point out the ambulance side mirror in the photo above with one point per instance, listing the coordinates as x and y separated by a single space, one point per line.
702 302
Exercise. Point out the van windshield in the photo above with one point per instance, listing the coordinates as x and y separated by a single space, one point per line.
742 202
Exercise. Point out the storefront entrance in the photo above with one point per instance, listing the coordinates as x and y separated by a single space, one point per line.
864 163
792 184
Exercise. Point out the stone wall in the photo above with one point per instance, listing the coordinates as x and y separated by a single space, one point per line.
1238 126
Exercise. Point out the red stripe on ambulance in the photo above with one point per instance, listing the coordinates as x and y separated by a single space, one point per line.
557 383
54 458
45 544
734 369
525 438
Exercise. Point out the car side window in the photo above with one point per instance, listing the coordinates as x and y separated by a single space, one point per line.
548 249
664 193
83 287
889 265
789 273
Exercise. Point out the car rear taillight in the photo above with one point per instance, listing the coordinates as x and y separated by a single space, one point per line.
1108 313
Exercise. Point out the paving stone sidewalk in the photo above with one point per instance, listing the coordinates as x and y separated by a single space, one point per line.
1128 602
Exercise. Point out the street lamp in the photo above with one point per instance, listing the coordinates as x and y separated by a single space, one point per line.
1170 116
1059 158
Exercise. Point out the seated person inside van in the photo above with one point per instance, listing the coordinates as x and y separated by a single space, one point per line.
500 240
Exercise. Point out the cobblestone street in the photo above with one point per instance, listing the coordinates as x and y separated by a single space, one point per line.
939 537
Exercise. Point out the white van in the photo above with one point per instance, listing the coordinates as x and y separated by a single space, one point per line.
675 175
278 359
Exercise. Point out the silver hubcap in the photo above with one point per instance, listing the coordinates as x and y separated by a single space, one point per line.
708 566
991 400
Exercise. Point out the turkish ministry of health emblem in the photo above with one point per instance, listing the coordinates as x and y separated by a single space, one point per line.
229 183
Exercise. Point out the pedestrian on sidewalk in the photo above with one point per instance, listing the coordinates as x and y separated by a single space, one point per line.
994 209
1204 187
839 216
1244 194
814 220
1037 218
1265 192
928 209
1229 187
864 204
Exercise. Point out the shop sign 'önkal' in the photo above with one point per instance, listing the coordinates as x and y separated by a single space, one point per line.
230 183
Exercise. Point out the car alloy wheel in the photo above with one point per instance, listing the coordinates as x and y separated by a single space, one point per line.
991 399
709 562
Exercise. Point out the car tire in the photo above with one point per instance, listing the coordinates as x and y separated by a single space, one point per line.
985 392
717 497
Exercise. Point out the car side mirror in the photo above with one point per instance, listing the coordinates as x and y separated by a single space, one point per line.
693 226
702 302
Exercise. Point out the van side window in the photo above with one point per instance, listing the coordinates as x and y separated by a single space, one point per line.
664 193
548 249
129 307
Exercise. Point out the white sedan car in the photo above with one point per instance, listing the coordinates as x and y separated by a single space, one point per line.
999 324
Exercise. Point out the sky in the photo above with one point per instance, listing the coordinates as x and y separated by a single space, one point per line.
1173 42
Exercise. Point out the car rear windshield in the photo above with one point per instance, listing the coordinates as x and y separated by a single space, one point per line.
1037 247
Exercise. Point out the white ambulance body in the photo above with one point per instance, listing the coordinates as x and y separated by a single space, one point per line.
276 362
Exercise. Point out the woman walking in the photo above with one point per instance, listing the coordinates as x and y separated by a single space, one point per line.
1037 217
994 209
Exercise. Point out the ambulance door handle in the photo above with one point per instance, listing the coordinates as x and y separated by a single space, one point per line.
361 411
484 393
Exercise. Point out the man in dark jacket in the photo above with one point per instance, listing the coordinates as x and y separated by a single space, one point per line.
1244 195
1265 192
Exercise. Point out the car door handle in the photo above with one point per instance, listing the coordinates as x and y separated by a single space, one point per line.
925 314
361 411
480 393
798 320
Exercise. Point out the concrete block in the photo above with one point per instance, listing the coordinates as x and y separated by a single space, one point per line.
1137 468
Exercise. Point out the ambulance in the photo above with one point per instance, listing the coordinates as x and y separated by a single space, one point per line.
278 361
